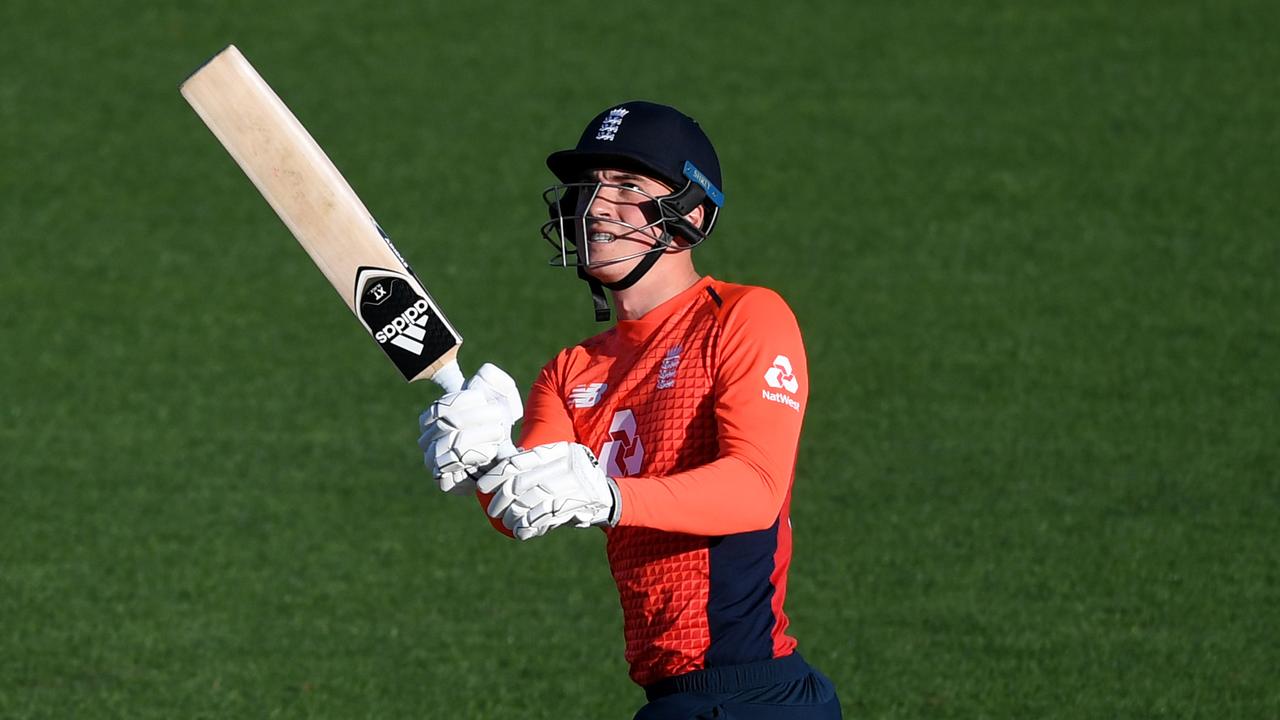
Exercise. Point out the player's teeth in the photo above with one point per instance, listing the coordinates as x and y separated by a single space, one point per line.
602 237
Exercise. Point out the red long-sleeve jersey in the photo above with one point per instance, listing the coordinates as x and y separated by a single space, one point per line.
696 410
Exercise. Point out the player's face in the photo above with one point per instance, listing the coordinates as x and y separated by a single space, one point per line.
617 218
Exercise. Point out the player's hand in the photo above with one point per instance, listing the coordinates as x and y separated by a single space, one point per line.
551 485
462 431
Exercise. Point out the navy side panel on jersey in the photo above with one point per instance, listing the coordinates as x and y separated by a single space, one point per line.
740 607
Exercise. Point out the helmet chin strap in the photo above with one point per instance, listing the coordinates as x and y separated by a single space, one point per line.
646 263
597 295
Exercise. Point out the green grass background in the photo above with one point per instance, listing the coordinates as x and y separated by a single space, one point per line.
1032 247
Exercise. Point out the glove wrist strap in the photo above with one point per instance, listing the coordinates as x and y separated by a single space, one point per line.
615 512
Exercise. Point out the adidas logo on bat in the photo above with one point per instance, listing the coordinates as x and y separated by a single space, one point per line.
399 314
407 330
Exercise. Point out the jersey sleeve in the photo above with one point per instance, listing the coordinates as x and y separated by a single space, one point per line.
546 420
761 386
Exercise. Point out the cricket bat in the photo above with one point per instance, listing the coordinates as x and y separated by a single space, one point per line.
326 216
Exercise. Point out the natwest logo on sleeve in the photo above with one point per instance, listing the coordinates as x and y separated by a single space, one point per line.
781 376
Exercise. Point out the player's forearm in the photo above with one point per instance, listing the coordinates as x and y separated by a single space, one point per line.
730 495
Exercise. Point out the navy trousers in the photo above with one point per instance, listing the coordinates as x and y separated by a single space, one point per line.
783 689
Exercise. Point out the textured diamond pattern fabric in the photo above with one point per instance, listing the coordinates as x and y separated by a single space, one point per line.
663 577
643 396
663 584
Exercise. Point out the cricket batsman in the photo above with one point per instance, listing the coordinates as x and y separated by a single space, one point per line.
675 430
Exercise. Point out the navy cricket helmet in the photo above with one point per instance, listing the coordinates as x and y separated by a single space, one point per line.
651 139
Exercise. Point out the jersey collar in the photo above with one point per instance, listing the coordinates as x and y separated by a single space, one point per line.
641 328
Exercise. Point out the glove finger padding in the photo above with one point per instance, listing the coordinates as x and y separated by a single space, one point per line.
456 483
473 449
462 432
530 532
514 478
549 486
542 518
520 463
526 509
523 491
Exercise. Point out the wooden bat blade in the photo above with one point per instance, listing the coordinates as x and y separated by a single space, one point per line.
325 215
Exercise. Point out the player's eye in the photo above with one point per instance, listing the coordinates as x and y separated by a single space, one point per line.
630 191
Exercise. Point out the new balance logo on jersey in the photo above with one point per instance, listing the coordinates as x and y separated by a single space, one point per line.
667 371
406 331
611 124
585 396
781 376
623 454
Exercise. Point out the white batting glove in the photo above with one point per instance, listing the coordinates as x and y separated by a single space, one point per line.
551 485
462 431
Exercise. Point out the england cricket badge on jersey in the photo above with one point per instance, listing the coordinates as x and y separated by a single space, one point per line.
399 314
667 370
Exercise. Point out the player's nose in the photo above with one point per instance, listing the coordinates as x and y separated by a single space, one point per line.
601 206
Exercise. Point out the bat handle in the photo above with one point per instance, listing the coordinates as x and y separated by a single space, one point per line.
451 379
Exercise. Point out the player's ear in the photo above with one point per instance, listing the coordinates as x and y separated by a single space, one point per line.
695 217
